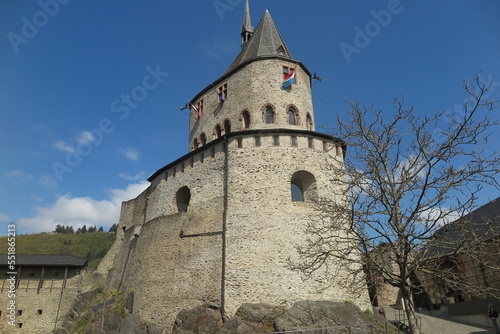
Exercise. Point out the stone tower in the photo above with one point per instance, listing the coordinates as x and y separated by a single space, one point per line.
217 225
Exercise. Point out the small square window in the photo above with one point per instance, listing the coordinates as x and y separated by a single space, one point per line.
20 324
310 143
39 312
276 140
257 141
19 312
294 141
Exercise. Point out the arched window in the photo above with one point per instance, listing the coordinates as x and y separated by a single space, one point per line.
292 116
203 139
303 187
246 119
270 115
227 126
183 197
218 131
309 122
196 143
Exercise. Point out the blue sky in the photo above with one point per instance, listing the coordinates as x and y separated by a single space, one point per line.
73 147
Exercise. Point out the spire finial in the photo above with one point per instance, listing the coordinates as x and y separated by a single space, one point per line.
247 29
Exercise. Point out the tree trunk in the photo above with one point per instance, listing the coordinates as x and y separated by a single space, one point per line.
409 308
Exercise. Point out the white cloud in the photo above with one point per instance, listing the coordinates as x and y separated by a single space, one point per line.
131 154
61 145
4 218
79 211
19 174
443 216
139 176
84 137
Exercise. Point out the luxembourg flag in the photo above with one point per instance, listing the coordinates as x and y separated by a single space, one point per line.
289 79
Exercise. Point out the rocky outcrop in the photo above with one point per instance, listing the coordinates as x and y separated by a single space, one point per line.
99 312
263 318
111 313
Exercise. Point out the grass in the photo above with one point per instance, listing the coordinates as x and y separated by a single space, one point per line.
91 246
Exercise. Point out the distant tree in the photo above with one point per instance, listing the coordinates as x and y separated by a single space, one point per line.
78 230
59 229
84 229
91 229
70 229
100 229
402 177
113 228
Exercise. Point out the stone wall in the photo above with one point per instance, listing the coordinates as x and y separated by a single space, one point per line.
174 260
252 88
37 309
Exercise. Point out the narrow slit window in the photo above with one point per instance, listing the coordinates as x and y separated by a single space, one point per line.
293 141
239 142
257 141
270 115
227 126
310 143
246 119
276 141
292 117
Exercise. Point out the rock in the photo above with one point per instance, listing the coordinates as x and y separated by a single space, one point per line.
199 320
131 325
112 322
316 314
129 302
260 313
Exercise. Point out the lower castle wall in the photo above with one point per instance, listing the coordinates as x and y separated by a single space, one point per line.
173 261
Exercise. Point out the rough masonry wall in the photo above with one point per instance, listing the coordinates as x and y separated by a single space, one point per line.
264 225
168 272
39 309
259 83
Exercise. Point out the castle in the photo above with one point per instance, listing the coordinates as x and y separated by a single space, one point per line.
220 225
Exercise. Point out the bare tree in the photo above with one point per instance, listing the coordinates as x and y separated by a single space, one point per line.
404 176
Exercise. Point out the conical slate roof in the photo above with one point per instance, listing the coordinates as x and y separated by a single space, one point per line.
266 41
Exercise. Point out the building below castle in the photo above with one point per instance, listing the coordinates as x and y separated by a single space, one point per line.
38 292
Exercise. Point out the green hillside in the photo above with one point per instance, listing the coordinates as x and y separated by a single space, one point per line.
92 246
